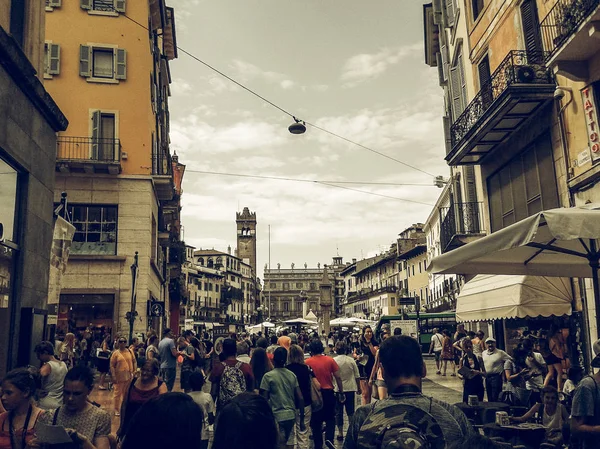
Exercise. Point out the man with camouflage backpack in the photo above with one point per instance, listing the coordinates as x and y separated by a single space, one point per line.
407 418
230 377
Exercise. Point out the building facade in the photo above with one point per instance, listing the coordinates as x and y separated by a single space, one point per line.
286 290
29 120
528 124
112 78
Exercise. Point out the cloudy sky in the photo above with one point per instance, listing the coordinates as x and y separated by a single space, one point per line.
350 66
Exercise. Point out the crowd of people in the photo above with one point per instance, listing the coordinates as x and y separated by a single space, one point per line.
282 391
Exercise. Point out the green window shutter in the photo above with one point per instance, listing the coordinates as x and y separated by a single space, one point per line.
53 59
121 64
85 61
120 5
96 133
152 94
86 4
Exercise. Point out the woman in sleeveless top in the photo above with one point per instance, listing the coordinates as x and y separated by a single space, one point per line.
18 422
53 374
139 391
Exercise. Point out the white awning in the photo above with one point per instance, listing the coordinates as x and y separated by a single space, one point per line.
491 297
207 324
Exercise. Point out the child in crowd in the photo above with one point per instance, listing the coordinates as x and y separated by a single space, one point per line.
205 401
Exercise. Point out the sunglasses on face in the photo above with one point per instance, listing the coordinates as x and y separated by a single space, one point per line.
122 341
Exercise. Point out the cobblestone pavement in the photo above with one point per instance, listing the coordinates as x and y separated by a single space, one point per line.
447 389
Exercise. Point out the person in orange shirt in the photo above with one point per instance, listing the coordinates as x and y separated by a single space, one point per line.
122 367
284 341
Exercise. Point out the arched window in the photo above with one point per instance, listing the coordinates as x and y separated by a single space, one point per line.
219 262
210 263
201 261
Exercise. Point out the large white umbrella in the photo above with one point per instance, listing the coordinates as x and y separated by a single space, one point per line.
342 321
267 324
557 242
299 321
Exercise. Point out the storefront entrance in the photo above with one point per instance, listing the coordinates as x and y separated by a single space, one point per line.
91 312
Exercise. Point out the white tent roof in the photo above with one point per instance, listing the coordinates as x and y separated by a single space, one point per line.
489 297
311 316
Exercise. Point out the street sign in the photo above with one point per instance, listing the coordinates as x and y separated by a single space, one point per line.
409 327
407 301
157 308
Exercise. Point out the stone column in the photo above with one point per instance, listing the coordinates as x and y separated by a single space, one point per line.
326 301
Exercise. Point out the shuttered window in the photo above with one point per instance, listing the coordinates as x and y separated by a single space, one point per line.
450 12
51 59
102 63
458 87
477 6
483 70
524 186
110 6
531 27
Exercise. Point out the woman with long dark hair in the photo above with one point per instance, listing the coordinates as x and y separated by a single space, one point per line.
255 426
368 346
304 374
260 365
18 422
168 420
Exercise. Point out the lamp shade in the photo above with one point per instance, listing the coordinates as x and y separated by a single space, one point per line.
297 128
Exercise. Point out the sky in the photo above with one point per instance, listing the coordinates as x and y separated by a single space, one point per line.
353 67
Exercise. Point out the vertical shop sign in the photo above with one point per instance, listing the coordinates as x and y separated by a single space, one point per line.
591 120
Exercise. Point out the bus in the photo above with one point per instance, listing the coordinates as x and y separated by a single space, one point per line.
427 322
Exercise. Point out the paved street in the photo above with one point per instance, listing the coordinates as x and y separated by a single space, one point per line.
447 389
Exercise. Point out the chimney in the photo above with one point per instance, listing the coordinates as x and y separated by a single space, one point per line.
229 250
353 260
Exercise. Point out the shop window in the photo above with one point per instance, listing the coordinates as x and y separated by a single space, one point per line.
77 313
95 229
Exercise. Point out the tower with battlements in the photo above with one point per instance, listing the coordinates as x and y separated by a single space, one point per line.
246 237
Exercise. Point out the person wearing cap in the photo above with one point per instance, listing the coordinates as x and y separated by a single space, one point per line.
493 361
585 411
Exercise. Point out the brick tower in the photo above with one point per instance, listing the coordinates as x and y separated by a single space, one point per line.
246 237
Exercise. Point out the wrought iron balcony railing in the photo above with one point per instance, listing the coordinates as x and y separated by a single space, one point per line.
88 149
520 67
563 20
460 219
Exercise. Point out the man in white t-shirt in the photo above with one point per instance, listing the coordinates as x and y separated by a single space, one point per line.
436 348
493 360
348 371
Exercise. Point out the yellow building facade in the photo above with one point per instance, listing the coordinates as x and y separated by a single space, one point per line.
107 65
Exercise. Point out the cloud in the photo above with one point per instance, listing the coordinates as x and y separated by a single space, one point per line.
246 71
194 136
365 66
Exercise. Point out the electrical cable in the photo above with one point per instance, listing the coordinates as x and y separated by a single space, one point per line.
214 69
282 178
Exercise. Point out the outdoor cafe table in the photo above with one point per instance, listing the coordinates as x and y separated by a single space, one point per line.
476 412
528 434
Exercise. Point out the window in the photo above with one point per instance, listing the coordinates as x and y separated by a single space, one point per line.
286 286
450 8
524 186
51 4
420 268
458 86
217 288
299 285
272 285
313 285
478 6
51 59
154 237
110 7
102 63
531 28
95 229
105 146
233 278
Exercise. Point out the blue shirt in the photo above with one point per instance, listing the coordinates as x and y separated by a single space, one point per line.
167 359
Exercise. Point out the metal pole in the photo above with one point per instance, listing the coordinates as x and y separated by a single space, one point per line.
132 312
269 311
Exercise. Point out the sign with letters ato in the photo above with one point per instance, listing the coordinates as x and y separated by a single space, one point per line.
590 111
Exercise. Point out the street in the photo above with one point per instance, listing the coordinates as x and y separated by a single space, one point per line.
448 389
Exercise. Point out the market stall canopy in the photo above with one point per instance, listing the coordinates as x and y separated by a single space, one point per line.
311 316
556 242
207 324
342 322
299 321
266 324
491 297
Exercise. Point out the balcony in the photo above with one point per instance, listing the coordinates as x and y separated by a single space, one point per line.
461 223
162 173
517 89
569 34
367 293
88 155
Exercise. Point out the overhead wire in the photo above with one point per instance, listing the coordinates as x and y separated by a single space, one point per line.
283 178
247 89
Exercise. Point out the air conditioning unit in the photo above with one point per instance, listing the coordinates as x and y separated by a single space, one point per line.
525 74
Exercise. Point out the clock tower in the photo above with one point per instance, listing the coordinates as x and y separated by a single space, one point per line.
246 237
